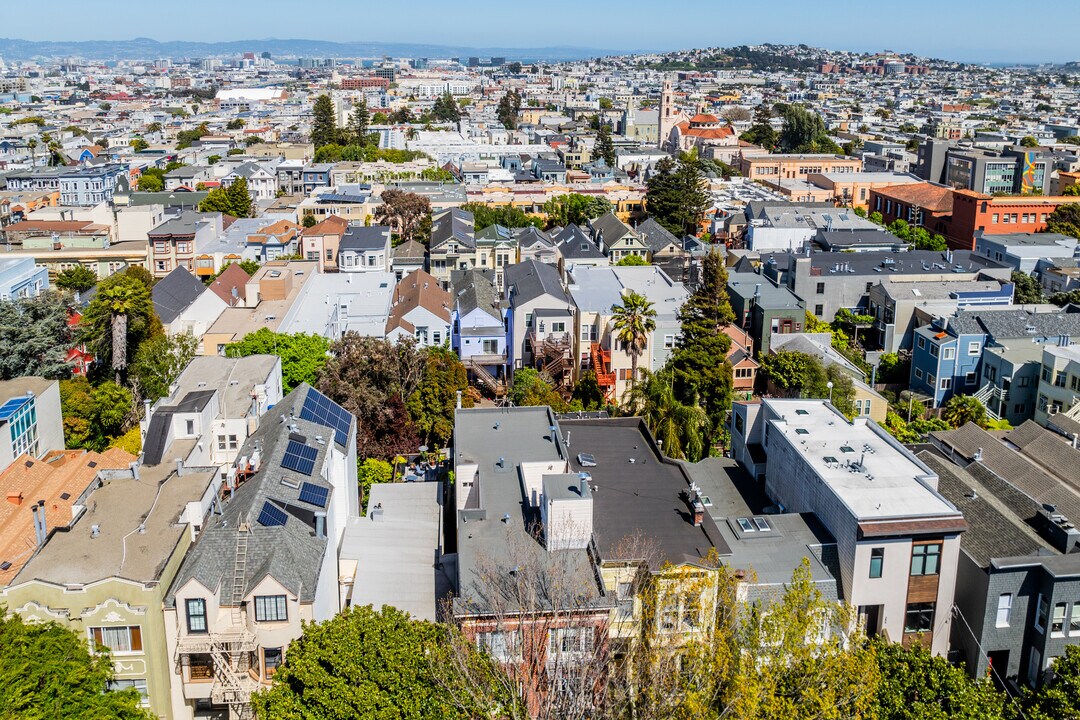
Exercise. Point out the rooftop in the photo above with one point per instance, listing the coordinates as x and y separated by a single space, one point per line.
874 476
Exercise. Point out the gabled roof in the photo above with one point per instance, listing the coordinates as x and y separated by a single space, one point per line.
175 293
610 227
417 289
231 277
655 235
475 289
454 223
360 237
531 279
409 250
573 243
290 553
332 225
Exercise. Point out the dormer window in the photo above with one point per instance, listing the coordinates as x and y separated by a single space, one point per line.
196 616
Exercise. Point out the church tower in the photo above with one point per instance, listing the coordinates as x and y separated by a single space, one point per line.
667 116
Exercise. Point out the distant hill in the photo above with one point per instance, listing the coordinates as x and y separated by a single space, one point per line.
148 49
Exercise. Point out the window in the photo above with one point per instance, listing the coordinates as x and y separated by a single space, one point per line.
436 338
821 288
271 661
969 378
919 618
1034 666
122 639
189 425
974 348
918 373
925 559
931 379
270 608
232 442
669 342
946 383
1004 610
558 327
570 640
922 343
934 350
819 310
1057 624
1074 619
196 615
503 645
877 561
127 683
220 442
948 353
1042 613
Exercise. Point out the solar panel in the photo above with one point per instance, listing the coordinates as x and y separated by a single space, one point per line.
272 516
8 408
314 494
321 409
299 457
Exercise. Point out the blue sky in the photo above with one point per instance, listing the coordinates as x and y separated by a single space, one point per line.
954 29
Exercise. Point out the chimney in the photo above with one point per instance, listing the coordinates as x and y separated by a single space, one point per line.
699 513
179 467
458 399
41 532
320 524
15 498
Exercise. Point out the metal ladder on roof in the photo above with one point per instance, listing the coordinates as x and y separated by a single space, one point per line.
239 572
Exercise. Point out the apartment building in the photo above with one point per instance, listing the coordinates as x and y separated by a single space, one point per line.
1059 380
364 249
265 560
173 243
322 241
977 213
773 168
30 419
21 277
1018 579
897 538
480 324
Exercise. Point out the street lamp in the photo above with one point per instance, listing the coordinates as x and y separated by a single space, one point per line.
829 385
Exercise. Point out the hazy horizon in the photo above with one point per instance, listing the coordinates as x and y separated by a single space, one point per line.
930 29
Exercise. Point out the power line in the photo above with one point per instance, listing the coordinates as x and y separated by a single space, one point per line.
985 654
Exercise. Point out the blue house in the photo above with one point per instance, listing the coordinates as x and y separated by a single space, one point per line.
949 355
479 328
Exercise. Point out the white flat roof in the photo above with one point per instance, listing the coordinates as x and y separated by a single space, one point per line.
871 474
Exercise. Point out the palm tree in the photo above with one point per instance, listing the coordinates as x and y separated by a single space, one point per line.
962 409
32 143
107 318
679 428
632 322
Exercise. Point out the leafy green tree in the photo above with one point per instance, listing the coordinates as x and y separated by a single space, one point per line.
762 135
152 180
681 429
446 108
790 370
506 215
508 109
1065 220
324 125
1027 289
404 212
185 138
366 663
702 373
575 208
632 323
372 378
302 355
803 131
1071 190
118 319
371 471
1062 299
587 392
431 406
94 416
1029 141
677 197
160 360
78 278
604 148
916 685
235 124
632 261
309 220
962 409
530 389
359 122
1057 698
35 337
239 198
47 671
138 144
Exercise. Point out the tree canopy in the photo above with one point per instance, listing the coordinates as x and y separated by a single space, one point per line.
77 277
323 123
505 215
369 664
676 196
119 319
575 208
1027 289
302 355
508 109
804 132
35 336
47 671
1065 220
446 108
159 361
530 389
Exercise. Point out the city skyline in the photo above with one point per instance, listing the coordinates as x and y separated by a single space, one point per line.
492 25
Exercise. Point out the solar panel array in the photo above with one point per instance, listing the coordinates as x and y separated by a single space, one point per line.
299 457
321 409
314 494
272 516
8 408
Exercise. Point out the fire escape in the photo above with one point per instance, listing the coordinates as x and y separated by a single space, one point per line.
601 362
554 361
495 385
230 651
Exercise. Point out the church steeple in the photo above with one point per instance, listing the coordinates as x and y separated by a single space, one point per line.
667 115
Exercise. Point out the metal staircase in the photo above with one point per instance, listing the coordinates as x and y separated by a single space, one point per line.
485 378
993 399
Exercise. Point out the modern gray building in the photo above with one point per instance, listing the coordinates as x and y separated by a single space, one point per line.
1022 251
1018 582
764 309
1014 170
